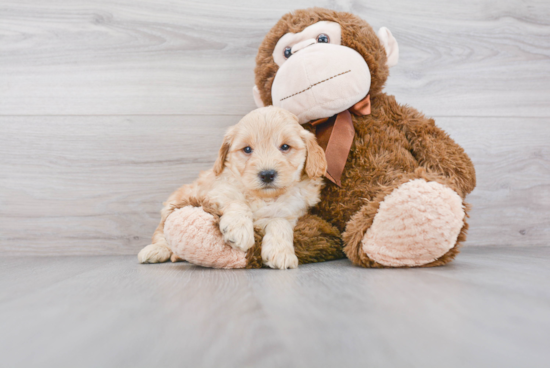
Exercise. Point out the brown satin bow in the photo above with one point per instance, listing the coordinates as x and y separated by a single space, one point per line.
335 136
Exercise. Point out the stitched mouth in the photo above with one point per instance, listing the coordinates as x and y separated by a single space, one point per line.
315 84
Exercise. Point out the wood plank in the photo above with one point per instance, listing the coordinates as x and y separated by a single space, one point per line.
512 160
94 185
473 58
435 317
115 312
89 320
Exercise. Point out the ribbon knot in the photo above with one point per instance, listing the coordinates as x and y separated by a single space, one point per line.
335 136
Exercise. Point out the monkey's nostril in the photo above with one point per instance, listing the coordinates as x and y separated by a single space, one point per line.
267 176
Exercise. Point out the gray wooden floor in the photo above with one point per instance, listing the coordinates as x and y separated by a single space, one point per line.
490 308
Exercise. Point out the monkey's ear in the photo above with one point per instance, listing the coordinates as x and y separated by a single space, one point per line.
390 44
222 154
257 98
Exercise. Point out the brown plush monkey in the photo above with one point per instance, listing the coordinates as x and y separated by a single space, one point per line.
396 183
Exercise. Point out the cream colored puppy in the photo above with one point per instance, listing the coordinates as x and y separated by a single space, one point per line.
268 173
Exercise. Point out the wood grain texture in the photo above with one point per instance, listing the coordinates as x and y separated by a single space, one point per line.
94 185
511 203
107 107
490 308
468 58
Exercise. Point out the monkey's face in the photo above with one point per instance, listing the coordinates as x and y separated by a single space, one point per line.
318 77
325 68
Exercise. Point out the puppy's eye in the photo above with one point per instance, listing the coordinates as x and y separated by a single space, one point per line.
247 149
285 147
288 52
323 38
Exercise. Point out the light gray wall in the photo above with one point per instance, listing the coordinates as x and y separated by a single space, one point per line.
107 106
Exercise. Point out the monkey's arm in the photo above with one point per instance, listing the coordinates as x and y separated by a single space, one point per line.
437 152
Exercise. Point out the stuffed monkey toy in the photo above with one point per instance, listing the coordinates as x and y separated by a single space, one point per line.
395 183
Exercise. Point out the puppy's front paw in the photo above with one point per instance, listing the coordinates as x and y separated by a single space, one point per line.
281 257
237 231
154 253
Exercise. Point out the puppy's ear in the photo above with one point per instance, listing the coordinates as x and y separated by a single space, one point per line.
316 163
222 154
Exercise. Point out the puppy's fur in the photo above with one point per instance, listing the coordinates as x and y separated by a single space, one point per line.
267 140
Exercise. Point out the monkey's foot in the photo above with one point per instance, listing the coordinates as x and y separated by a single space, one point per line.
416 224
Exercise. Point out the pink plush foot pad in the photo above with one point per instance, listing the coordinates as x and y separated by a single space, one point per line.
193 235
415 225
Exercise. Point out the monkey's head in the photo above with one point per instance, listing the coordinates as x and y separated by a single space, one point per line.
317 62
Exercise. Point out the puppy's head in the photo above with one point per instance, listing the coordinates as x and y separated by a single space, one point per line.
269 152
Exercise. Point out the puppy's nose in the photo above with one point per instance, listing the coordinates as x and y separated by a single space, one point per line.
267 176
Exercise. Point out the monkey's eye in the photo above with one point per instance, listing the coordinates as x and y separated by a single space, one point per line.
285 147
288 52
323 38
247 150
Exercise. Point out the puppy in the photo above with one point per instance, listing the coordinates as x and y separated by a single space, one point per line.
268 173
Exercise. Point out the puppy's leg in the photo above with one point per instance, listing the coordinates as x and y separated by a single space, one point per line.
237 226
175 258
158 251
277 245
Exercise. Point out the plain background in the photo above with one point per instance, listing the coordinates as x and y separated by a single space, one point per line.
106 107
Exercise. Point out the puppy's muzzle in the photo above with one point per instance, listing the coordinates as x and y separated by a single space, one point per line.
267 176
